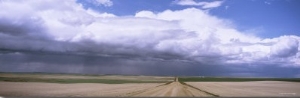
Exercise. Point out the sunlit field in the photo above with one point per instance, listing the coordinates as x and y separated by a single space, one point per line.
77 85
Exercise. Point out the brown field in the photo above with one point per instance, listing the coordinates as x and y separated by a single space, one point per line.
97 89
67 90
222 89
168 87
253 89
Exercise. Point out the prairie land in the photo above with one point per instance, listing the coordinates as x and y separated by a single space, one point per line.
77 78
70 85
250 89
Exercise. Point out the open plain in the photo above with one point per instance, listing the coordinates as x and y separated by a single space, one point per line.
36 89
250 89
66 85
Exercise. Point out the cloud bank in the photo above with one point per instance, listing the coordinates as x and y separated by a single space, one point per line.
106 3
62 36
204 5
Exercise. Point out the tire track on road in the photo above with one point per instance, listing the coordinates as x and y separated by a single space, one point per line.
172 89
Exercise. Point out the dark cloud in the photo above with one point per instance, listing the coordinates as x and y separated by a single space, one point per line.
30 62
102 65
22 27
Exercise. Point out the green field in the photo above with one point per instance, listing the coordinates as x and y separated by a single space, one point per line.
78 78
119 79
105 81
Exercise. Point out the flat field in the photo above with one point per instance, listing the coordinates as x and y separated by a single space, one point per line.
37 89
250 89
65 85
70 85
77 78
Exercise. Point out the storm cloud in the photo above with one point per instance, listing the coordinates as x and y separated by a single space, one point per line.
63 36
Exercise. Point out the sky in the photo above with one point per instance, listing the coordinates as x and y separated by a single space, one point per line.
232 38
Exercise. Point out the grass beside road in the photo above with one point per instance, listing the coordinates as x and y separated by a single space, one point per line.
224 79
105 81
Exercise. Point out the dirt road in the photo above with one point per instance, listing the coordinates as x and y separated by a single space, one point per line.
172 89
36 89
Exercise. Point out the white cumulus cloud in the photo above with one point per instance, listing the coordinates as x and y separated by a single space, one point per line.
106 3
285 46
170 34
204 5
